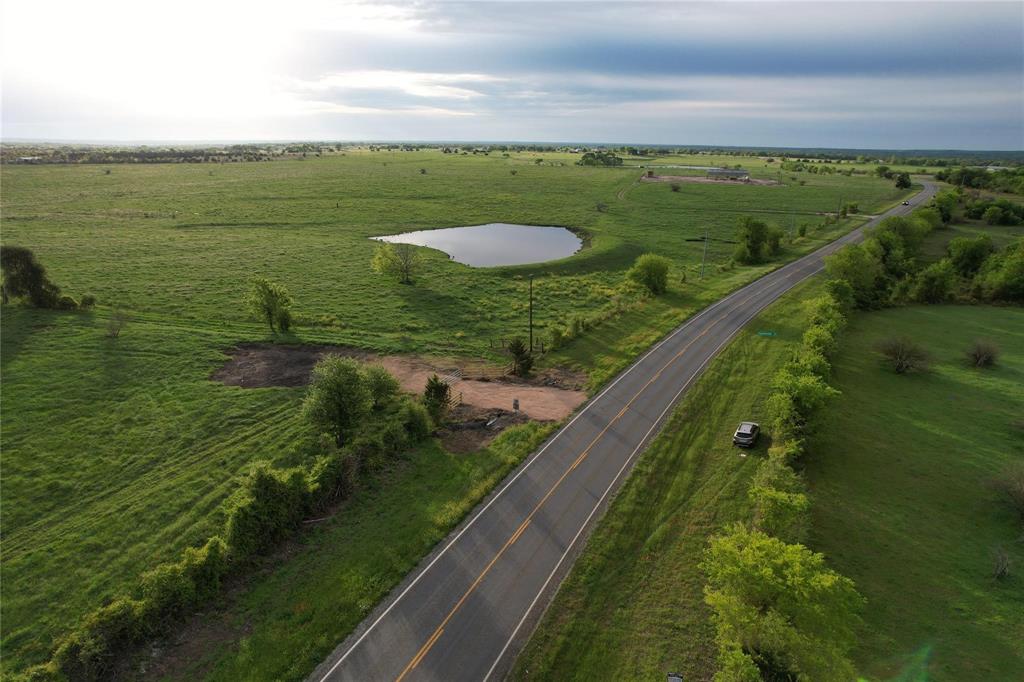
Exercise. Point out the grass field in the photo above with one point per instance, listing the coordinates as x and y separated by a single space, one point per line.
117 453
900 504
934 247
633 605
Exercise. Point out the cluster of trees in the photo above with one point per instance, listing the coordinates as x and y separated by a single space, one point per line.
25 278
1009 180
757 241
902 179
365 423
780 612
599 158
995 211
885 268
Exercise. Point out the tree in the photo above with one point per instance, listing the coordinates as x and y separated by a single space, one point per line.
437 398
383 386
1010 485
270 302
903 181
860 268
522 357
338 397
935 283
651 271
752 236
398 260
781 605
968 255
882 171
25 276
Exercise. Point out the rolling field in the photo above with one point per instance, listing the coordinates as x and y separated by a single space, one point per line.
898 475
118 452
633 605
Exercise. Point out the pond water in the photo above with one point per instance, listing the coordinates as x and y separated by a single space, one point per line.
483 246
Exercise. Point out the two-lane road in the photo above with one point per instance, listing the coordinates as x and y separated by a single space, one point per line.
463 613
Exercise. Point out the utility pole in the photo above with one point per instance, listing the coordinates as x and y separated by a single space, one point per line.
531 313
704 257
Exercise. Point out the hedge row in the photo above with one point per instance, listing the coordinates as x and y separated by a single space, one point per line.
778 609
267 508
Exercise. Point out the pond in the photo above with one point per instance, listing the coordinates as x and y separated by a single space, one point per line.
493 244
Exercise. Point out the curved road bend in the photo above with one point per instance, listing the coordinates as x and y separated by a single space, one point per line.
461 614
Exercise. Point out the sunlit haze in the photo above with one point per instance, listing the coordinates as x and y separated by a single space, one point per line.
892 75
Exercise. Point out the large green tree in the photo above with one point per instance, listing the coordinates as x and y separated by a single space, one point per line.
781 605
270 302
338 398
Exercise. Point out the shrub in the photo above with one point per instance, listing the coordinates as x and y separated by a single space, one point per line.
88 653
269 505
116 323
66 302
781 507
675 186
416 420
903 354
381 385
522 358
1010 486
1000 563
437 398
754 241
651 271
333 476
338 398
270 302
982 353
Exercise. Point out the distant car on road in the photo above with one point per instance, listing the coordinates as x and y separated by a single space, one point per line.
906 203
746 435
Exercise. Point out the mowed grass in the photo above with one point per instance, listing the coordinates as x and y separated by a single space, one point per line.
633 605
900 504
118 453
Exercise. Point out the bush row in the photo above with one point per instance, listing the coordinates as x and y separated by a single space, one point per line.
267 508
779 611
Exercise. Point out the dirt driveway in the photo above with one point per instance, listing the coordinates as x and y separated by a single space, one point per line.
548 397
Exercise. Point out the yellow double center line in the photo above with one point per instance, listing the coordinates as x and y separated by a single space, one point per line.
522 527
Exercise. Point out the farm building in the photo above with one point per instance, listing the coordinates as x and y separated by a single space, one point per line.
728 174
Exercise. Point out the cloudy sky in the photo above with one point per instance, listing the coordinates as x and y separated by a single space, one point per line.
839 74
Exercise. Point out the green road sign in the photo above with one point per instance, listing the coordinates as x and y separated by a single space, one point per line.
766 333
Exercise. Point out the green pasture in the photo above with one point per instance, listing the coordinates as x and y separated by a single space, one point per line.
899 475
118 452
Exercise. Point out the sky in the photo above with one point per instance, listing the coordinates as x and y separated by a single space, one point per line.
892 75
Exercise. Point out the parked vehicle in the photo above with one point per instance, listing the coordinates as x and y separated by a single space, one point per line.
746 435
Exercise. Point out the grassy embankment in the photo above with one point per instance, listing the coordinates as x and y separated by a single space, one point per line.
633 605
898 474
117 453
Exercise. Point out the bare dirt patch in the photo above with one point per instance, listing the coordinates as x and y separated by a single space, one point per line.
471 428
700 180
551 395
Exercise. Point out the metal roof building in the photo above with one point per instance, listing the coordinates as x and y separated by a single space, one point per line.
728 173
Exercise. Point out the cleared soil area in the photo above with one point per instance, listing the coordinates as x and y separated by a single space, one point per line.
548 397
706 181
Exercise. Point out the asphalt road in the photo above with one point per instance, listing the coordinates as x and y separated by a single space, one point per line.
465 611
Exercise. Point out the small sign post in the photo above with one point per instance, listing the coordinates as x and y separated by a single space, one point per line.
515 404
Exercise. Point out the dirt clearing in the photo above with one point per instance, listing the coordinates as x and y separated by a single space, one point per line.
552 395
700 180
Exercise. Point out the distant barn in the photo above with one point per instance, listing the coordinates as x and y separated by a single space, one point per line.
728 174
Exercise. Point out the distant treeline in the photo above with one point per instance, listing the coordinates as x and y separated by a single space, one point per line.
88 153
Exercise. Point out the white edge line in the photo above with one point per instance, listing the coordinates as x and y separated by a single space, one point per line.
657 422
589 404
